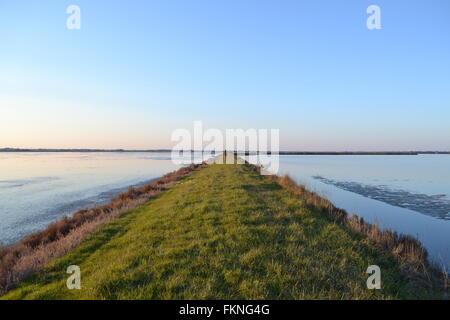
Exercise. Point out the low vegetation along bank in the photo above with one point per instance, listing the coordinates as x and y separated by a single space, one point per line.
226 232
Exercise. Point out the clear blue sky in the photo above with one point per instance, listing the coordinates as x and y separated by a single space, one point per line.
139 69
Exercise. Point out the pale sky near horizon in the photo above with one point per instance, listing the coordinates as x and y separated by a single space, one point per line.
137 70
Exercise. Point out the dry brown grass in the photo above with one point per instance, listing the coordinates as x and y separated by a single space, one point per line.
30 254
413 257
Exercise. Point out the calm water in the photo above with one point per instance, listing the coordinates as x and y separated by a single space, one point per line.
409 194
38 188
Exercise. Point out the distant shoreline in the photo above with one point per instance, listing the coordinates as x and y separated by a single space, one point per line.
240 152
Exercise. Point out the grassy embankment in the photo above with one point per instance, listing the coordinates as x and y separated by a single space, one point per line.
224 232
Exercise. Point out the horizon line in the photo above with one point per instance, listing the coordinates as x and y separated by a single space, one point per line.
281 152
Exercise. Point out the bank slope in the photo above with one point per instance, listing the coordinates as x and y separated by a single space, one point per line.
224 232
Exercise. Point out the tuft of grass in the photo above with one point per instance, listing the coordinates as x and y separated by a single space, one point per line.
225 232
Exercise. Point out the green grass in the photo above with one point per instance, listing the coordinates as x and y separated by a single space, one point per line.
222 233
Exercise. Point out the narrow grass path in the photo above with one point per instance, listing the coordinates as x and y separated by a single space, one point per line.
222 233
